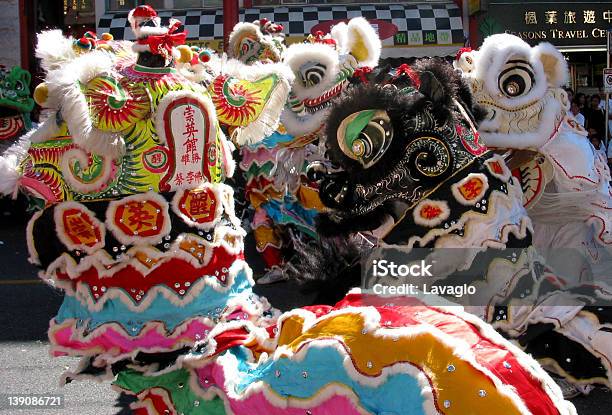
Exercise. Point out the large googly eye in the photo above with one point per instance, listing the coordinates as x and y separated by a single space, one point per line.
312 74
365 136
516 79
19 86
246 46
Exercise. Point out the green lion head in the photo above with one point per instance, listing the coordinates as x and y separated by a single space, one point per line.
15 89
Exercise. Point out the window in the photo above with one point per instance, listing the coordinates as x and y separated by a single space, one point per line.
193 4
327 2
121 4
116 5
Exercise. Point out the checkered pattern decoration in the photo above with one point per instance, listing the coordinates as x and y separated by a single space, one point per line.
426 29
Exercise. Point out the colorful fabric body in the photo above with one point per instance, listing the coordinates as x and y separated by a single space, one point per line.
567 193
374 354
284 200
567 186
280 194
364 355
135 223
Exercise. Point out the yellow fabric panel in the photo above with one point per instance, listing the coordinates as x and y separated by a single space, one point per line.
310 198
292 329
370 354
266 236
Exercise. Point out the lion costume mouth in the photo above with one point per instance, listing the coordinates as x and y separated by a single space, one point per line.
324 101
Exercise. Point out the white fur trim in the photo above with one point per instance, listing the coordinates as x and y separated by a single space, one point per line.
360 31
299 126
144 31
64 88
136 47
32 252
553 62
54 50
9 165
339 32
47 129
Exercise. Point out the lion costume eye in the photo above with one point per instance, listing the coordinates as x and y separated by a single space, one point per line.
312 75
365 136
516 78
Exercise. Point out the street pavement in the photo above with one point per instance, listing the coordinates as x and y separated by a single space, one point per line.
26 305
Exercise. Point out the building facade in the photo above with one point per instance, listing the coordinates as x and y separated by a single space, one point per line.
407 29
577 28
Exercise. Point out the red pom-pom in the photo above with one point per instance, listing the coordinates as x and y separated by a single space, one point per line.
406 70
144 11
361 73
204 56
461 52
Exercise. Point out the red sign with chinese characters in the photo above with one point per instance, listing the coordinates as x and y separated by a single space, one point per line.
472 188
139 218
384 28
199 205
187 128
80 228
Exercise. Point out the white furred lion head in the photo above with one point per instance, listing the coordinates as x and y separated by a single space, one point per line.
520 87
322 68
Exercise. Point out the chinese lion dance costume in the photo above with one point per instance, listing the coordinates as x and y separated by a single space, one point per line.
369 354
284 199
15 104
135 224
158 295
466 205
15 107
566 183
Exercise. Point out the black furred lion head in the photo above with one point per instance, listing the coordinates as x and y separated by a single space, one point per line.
394 139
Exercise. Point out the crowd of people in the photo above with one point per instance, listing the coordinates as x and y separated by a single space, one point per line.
590 112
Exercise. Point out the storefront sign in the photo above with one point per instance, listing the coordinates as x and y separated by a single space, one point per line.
560 23
607 78
384 29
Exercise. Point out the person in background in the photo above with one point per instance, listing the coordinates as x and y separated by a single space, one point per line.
575 111
581 98
602 105
595 119
570 94
599 145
